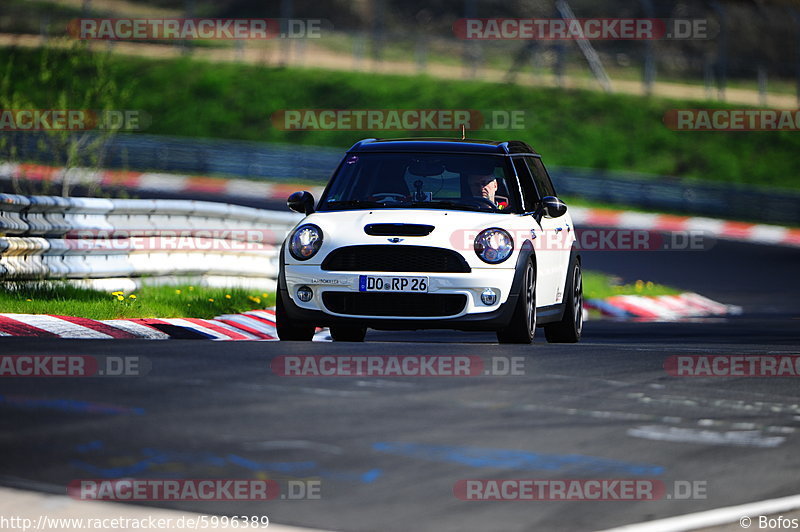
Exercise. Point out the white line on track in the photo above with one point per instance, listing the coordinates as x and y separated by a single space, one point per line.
719 516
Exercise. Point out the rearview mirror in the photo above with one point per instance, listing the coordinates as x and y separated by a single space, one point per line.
302 202
426 168
552 207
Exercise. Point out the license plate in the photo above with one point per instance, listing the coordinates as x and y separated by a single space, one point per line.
376 283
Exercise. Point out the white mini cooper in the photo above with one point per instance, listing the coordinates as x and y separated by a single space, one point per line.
432 234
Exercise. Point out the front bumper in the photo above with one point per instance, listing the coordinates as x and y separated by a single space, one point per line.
473 316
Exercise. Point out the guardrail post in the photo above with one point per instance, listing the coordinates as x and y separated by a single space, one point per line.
649 70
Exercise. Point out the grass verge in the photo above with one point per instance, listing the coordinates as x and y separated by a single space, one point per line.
579 128
187 301
600 285
147 302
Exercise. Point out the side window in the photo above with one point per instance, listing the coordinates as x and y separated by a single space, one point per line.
540 176
530 197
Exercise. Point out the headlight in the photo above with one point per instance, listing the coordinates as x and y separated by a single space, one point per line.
494 245
305 241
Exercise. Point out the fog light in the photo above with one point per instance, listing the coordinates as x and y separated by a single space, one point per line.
304 294
488 297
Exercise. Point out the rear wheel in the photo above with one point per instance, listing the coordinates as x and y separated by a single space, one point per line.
569 329
288 330
523 323
348 333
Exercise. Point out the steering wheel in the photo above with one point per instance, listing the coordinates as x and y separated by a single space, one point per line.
480 202
383 196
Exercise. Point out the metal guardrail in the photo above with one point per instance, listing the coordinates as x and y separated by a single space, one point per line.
672 195
46 237
276 162
285 162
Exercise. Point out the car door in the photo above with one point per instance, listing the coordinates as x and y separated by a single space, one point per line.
559 232
546 261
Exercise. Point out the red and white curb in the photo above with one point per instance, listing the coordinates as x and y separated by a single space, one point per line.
149 181
725 229
245 188
661 308
259 325
255 325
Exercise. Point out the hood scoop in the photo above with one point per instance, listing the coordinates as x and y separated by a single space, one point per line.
398 229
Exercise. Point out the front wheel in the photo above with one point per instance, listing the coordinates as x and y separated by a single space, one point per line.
288 330
569 329
523 323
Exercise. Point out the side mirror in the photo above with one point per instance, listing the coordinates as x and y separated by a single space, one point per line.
302 202
552 207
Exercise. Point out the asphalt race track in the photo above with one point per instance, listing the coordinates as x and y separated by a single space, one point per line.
388 451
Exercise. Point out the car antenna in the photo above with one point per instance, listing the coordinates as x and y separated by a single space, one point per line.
463 132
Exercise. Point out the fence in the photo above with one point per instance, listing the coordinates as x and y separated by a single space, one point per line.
750 45
101 240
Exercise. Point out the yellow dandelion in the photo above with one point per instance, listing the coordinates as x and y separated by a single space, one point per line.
639 285
254 299
178 292
120 298
29 300
264 295
191 288
132 296
227 296
118 293
211 299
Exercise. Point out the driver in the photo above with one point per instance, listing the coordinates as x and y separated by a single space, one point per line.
485 186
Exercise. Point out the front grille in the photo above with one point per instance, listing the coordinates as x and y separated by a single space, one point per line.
394 304
398 229
379 258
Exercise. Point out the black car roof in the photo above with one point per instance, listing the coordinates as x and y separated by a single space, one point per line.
435 144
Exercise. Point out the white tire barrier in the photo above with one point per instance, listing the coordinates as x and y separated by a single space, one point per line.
47 237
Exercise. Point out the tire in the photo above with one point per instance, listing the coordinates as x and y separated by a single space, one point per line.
522 326
348 333
287 330
569 329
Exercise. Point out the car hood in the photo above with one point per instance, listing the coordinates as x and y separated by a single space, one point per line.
452 229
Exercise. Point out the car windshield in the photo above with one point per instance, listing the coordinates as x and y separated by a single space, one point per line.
425 181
